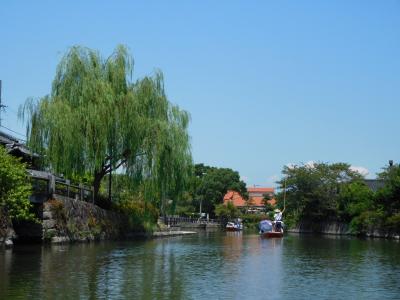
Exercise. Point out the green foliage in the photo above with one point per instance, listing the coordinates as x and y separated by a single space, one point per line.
58 210
86 178
389 195
228 211
393 222
312 191
142 215
354 199
184 210
252 220
15 188
96 119
210 184
367 220
48 234
324 192
267 205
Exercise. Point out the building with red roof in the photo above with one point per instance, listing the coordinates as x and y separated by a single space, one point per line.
255 201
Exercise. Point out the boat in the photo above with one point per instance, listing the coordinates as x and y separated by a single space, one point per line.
274 229
267 230
272 234
232 226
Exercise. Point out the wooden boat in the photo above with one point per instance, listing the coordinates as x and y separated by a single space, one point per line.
267 230
269 227
230 226
272 234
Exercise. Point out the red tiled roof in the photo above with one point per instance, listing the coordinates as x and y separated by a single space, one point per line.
235 198
238 201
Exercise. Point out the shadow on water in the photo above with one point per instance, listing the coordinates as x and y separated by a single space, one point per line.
344 266
146 269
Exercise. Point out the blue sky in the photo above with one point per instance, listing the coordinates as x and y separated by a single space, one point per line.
267 83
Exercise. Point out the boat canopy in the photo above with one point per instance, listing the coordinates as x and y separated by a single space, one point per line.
265 225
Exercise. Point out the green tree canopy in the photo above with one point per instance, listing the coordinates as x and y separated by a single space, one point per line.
96 119
312 191
388 197
354 199
211 184
15 188
226 212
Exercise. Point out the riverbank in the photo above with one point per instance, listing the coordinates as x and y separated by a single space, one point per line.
171 233
338 228
66 220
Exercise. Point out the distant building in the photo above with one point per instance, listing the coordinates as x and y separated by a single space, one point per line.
255 201
256 194
14 147
374 184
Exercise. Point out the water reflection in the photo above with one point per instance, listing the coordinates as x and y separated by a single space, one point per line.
214 265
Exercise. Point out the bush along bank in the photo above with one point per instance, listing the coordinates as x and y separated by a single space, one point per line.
331 198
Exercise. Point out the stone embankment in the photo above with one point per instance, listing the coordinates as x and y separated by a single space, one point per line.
338 228
69 220
7 233
65 220
172 233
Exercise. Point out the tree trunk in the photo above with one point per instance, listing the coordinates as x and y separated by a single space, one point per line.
98 176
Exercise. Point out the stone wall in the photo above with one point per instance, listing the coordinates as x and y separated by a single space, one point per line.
69 220
338 228
322 227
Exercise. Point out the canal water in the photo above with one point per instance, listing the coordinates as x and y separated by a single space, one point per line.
208 265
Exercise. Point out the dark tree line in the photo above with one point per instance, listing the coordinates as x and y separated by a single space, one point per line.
333 192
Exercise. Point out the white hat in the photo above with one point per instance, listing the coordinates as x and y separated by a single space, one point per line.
277 210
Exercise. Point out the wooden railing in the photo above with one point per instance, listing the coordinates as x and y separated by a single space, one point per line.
45 185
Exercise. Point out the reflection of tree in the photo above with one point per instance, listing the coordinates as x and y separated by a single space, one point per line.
361 263
18 266
233 245
5 266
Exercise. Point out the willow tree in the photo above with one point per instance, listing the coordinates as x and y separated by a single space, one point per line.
96 119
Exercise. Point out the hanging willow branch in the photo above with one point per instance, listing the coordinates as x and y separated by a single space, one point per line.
96 119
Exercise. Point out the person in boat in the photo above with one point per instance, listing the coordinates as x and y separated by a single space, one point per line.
265 226
278 219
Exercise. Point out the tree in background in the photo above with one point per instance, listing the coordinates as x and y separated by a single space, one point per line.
312 191
211 184
96 120
354 198
226 212
356 205
388 197
15 188
266 201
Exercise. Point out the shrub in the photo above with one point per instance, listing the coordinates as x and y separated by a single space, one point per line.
142 215
228 211
252 220
57 208
393 222
366 220
15 188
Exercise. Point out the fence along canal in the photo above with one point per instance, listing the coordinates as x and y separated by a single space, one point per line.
46 184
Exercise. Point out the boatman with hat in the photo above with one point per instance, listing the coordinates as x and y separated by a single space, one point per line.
278 219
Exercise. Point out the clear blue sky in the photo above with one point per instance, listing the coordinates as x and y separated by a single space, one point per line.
267 83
